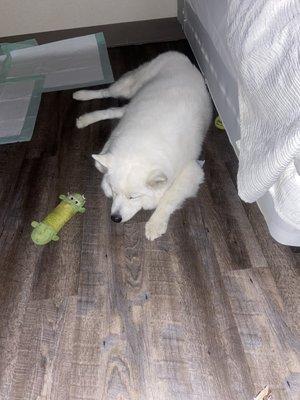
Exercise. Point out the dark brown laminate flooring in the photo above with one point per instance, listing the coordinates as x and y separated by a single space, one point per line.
210 311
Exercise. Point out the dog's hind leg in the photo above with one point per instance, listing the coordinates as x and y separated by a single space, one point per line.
95 116
185 185
125 87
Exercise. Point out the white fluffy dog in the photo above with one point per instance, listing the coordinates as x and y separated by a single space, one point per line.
150 160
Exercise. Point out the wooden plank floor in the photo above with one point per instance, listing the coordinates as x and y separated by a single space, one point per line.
210 311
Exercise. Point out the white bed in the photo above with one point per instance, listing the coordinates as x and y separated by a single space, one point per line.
206 27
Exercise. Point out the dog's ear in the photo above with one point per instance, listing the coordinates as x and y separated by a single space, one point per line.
156 179
103 162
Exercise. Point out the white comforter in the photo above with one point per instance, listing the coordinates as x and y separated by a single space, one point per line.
264 41
259 43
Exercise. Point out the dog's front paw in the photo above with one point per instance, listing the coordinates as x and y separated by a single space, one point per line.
82 121
155 228
81 95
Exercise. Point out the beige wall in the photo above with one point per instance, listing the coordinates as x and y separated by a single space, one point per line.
30 16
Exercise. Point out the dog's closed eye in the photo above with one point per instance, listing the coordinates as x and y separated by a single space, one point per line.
134 196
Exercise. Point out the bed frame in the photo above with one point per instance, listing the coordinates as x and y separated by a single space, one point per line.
224 91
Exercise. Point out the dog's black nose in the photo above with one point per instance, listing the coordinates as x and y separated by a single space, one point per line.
116 218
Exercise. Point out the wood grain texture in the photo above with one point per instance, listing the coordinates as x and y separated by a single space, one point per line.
208 311
269 338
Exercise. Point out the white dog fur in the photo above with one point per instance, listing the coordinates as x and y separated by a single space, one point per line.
150 160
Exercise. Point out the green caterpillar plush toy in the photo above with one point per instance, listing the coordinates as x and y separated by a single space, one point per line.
48 229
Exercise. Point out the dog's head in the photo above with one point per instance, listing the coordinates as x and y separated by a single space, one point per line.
132 185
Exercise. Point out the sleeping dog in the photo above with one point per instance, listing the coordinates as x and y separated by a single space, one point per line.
150 160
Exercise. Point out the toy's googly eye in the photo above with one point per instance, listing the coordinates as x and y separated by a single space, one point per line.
77 202
71 198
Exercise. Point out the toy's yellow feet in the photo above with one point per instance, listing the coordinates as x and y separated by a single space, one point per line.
42 233
219 123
